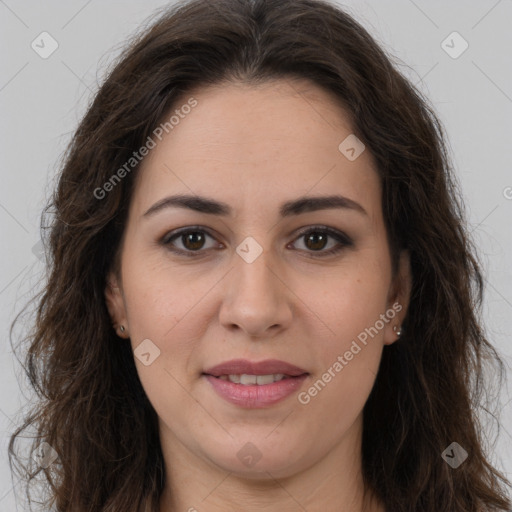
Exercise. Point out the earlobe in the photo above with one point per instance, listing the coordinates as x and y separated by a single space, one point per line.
398 302
115 305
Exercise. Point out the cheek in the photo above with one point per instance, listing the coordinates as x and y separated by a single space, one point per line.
350 354
163 307
353 314
155 307
161 296
348 366
350 299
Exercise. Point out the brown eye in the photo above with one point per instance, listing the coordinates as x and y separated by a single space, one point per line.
193 240
188 241
317 239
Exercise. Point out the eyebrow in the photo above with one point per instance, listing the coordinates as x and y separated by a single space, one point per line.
295 207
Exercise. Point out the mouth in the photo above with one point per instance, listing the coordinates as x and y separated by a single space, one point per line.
254 380
241 367
255 384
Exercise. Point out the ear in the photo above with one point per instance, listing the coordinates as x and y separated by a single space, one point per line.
398 300
115 304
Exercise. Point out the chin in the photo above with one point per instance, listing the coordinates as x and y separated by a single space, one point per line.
256 462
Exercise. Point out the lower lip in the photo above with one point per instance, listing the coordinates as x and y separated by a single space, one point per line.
255 396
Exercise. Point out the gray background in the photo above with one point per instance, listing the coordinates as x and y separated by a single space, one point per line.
41 101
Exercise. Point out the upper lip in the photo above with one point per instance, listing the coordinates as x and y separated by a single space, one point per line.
243 366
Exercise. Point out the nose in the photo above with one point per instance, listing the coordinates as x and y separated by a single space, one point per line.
256 298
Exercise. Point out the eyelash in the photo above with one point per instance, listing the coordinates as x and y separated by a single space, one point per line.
344 240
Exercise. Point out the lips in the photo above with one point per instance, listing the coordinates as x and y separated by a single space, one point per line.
255 385
243 366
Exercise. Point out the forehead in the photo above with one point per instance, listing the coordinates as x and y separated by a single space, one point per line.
256 142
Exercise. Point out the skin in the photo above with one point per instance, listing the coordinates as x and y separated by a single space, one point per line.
255 147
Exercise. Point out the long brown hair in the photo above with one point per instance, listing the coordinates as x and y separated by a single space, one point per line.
92 409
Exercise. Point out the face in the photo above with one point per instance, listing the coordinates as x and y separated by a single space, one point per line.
311 286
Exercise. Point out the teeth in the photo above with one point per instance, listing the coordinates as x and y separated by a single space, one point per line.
264 379
247 380
251 380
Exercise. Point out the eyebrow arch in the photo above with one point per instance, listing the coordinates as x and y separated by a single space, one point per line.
295 207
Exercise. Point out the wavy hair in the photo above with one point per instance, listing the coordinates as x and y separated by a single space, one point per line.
91 407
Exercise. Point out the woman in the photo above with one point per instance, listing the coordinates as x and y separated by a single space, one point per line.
261 294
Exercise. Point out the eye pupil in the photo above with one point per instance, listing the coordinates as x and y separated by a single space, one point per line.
192 237
318 239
